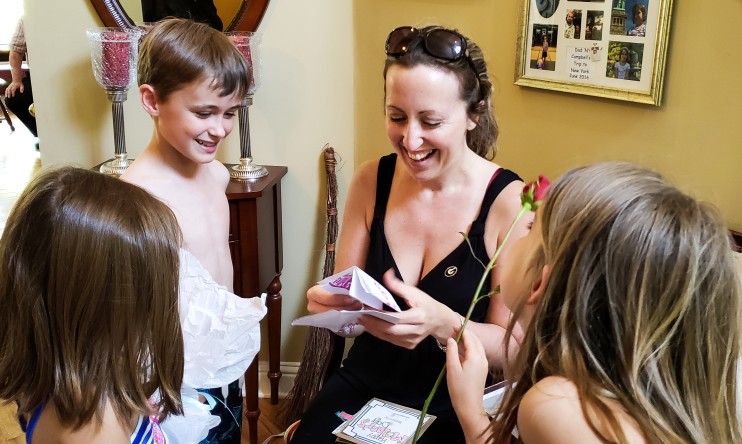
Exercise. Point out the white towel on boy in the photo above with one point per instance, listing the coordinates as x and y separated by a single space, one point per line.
221 331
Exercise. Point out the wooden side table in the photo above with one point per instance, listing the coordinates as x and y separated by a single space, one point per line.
256 245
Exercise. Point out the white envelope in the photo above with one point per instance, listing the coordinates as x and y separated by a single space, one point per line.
343 321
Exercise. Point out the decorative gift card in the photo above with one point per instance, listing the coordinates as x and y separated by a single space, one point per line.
493 396
382 422
357 284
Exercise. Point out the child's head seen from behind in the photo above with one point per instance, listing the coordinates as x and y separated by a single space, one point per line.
634 294
89 282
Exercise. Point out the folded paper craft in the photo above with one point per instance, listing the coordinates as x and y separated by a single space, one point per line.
357 284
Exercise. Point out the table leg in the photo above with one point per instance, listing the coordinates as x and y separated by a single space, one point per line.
6 115
252 409
274 336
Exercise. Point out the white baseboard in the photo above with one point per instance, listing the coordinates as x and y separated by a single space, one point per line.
288 375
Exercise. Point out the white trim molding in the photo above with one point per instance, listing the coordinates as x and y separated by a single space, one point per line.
288 375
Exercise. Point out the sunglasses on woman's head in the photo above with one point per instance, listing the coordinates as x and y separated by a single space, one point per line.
439 43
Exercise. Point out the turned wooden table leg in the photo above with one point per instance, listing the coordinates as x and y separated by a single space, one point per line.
252 409
6 115
274 336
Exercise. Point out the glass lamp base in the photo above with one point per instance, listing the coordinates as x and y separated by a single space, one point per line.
117 166
247 171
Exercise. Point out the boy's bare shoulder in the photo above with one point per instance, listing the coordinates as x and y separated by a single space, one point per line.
162 184
219 173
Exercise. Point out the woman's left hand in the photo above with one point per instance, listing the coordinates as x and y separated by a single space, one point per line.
425 316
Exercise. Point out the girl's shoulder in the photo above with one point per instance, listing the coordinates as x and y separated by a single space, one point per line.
106 429
550 412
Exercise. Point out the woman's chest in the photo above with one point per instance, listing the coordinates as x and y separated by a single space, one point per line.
420 240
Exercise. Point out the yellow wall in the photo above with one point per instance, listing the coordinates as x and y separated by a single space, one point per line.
226 9
133 9
693 138
303 103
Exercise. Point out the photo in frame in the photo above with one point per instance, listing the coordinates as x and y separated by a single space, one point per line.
605 48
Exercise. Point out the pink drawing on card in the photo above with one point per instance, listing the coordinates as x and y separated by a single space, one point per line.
347 329
342 282
381 430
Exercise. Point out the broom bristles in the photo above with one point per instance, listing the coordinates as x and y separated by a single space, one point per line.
323 349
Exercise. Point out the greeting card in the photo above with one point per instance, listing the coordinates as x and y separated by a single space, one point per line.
382 422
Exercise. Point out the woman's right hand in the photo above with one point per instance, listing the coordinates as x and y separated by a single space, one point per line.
320 300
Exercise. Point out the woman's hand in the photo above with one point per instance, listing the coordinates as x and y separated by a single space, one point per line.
425 317
320 300
466 374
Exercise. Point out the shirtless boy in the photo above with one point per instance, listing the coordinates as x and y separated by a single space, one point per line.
191 81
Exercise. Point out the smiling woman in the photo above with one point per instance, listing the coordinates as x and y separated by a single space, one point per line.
405 212
234 15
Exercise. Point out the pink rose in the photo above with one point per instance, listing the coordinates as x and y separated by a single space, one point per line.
534 192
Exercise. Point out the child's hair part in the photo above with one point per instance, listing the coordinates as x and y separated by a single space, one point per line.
642 306
177 52
89 290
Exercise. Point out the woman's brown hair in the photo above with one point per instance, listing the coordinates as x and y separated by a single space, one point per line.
642 307
89 290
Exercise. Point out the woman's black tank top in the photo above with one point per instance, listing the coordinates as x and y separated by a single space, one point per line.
406 376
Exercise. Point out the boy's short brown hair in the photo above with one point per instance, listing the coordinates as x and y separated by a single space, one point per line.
177 52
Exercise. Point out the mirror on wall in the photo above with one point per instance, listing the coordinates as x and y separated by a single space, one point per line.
224 15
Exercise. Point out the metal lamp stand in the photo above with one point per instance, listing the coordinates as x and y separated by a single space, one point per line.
246 170
119 163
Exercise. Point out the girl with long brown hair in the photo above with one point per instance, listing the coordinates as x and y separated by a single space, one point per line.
630 300
89 329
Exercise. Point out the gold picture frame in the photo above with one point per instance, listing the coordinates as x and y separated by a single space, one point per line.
611 48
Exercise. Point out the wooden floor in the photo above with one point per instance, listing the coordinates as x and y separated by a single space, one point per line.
268 422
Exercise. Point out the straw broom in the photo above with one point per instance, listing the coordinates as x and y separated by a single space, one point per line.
323 349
